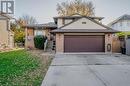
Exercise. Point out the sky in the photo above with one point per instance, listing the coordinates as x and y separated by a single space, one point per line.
45 10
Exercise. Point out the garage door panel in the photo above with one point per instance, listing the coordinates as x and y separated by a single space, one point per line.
84 44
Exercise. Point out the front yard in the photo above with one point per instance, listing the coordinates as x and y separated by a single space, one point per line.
22 68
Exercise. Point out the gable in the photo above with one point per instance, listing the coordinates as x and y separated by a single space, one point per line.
83 23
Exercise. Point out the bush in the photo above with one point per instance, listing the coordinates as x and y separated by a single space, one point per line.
122 34
39 41
19 36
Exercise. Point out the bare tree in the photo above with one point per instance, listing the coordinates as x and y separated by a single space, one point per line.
26 19
77 6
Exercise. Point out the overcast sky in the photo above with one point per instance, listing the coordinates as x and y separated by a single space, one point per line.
45 10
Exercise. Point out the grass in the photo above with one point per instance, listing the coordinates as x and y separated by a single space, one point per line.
21 68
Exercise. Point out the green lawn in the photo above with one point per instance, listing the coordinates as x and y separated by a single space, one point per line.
20 68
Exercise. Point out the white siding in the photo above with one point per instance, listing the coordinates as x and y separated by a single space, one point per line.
124 27
89 25
68 21
60 24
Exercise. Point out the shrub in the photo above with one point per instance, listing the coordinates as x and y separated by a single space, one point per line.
121 34
39 41
19 36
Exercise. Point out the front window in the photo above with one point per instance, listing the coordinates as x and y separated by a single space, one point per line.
39 32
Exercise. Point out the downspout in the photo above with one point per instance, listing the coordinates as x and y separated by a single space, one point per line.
8 26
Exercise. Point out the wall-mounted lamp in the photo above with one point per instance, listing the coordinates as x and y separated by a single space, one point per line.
108 35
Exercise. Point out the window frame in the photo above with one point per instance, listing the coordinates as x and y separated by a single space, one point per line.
39 32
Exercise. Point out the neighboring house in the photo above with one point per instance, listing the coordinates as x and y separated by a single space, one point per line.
78 33
6 35
121 24
37 29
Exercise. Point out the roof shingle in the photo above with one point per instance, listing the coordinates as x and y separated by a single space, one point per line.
49 25
84 31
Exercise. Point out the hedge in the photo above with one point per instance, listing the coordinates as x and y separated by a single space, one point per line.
39 41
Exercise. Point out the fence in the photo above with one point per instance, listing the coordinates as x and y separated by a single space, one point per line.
116 48
128 46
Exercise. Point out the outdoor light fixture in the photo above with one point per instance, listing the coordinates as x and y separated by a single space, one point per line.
108 47
108 35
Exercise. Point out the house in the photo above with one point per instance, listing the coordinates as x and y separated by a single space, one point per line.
38 29
121 24
6 35
78 33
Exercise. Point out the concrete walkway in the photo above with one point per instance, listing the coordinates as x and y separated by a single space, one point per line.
88 70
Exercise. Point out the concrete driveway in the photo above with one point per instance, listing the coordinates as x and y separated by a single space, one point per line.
88 70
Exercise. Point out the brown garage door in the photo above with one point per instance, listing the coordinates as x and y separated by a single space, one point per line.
84 44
